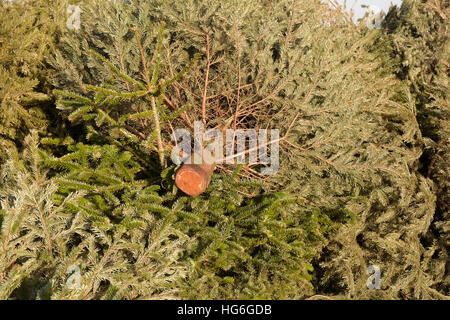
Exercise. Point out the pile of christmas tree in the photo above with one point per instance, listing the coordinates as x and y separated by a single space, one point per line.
92 91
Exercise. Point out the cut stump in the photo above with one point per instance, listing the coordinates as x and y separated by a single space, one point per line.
193 179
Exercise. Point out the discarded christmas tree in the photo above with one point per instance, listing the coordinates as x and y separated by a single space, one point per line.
91 209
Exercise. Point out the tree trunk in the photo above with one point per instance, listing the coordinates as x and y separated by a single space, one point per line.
193 179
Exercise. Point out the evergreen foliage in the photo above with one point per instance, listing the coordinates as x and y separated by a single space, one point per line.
419 35
129 241
46 230
129 43
20 71
254 248
396 231
363 179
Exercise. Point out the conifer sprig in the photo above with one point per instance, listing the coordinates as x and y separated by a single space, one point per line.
151 90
